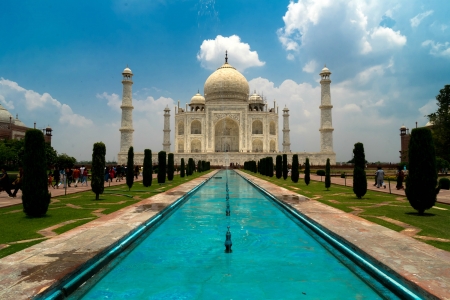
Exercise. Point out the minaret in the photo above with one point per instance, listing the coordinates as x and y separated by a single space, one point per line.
326 125
286 138
126 128
166 142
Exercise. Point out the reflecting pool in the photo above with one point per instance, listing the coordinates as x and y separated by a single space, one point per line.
273 256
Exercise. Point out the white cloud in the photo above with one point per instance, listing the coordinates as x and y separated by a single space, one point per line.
428 108
212 53
384 38
7 104
41 103
310 67
319 25
438 49
418 19
290 56
113 100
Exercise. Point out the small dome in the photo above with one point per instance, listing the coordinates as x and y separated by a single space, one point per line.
226 83
255 98
5 115
325 70
198 99
17 122
429 124
48 128
403 127
127 71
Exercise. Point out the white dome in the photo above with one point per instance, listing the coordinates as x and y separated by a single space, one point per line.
226 83
255 98
5 115
17 122
127 71
429 124
198 99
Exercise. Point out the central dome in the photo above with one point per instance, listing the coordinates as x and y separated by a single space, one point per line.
226 83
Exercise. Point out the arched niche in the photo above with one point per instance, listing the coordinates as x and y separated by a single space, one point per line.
226 136
257 145
196 127
272 128
196 146
180 146
272 146
257 127
180 128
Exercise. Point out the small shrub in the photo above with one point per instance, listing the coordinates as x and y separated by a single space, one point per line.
342 175
444 183
320 172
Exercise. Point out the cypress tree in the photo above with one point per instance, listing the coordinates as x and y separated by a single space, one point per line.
285 168
204 166
147 173
270 166
170 167
327 175
307 172
199 166
279 166
294 172
191 164
263 166
161 167
182 168
130 168
98 169
258 167
421 181
359 175
35 195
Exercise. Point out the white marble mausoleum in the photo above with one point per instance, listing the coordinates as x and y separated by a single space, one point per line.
228 124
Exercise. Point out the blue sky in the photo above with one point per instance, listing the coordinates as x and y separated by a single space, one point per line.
61 64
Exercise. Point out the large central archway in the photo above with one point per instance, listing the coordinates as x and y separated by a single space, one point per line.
226 136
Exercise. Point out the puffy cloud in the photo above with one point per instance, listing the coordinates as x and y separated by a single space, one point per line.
438 49
113 100
310 67
7 104
316 27
41 103
384 38
418 19
212 53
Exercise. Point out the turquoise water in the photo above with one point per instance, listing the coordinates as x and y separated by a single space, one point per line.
273 256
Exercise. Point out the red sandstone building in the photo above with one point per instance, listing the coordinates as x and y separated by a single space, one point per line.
13 128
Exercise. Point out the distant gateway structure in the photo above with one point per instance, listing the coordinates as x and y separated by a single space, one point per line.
227 124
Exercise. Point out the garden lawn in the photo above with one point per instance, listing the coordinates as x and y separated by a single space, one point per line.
19 231
376 207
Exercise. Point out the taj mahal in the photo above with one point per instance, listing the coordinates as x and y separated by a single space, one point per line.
228 124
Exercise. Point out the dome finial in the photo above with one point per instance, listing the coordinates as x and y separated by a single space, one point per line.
226 56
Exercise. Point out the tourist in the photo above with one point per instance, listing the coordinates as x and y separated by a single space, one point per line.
106 174
400 177
17 184
136 172
69 176
375 184
84 177
56 177
76 175
50 179
380 178
62 174
4 183
111 174
118 173
82 168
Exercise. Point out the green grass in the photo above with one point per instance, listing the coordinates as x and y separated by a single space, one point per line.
435 222
16 226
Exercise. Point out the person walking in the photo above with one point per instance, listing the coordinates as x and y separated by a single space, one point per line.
17 184
76 175
56 177
4 183
400 178
84 177
50 179
380 178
